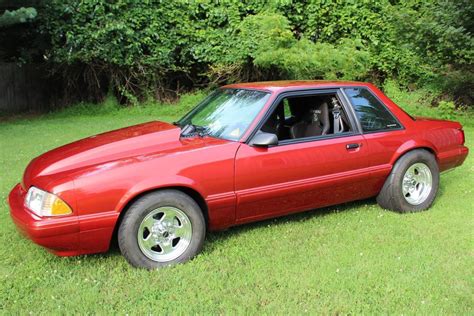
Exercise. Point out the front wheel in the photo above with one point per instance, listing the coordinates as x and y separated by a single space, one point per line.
160 229
413 183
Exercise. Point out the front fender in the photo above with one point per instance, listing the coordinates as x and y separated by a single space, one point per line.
155 184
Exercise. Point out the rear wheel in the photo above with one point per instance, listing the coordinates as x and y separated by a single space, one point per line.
161 228
413 183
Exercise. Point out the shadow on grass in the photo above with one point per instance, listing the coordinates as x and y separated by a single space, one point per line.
215 239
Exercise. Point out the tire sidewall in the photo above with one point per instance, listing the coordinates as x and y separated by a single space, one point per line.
128 230
401 167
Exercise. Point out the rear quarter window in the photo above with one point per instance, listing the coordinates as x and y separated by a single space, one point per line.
372 114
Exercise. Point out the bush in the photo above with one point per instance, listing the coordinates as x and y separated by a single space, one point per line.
134 44
447 109
142 49
22 15
266 43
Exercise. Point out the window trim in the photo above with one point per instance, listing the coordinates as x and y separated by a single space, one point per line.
309 92
343 90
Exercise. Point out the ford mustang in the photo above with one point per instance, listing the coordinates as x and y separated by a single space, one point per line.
248 152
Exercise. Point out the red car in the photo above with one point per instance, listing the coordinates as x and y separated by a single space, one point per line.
246 153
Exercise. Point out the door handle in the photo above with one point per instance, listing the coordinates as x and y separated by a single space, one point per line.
352 146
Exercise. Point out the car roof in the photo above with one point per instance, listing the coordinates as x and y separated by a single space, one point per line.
278 86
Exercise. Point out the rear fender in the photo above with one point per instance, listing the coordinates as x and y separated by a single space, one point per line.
412 145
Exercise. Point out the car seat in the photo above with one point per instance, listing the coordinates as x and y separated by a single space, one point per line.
312 122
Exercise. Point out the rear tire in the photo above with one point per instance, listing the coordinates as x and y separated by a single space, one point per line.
162 228
412 184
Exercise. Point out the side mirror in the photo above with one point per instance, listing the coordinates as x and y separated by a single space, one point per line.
262 139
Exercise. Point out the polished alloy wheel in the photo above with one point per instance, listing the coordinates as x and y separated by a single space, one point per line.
417 183
164 234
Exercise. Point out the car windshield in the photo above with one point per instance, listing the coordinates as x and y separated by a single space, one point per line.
226 113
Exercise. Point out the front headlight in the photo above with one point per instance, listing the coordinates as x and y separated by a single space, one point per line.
43 203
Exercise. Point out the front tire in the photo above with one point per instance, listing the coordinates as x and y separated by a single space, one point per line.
160 229
412 184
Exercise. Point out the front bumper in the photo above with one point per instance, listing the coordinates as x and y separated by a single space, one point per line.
64 236
59 235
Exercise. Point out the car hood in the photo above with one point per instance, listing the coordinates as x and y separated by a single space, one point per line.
153 138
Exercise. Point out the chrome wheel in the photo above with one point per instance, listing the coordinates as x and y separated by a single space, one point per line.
417 183
164 234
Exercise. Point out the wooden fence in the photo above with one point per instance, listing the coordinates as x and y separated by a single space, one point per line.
24 88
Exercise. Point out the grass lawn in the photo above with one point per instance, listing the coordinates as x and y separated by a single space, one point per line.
354 258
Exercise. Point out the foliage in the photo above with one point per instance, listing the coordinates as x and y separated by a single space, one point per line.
438 31
427 102
21 15
267 41
447 109
154 49
132 43
416 41
306 60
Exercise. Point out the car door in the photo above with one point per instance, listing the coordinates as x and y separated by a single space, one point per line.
300 174
383 132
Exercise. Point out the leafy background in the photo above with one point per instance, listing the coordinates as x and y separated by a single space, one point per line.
139 50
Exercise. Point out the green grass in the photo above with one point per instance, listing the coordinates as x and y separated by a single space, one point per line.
354 258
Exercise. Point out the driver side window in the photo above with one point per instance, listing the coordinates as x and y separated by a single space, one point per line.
298 117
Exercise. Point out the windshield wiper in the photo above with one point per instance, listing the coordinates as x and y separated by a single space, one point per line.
204 132
192 130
